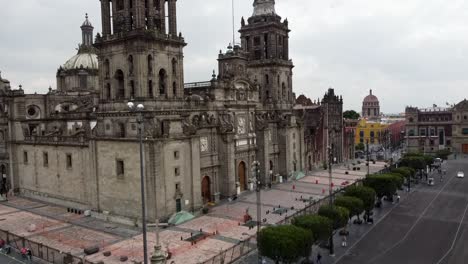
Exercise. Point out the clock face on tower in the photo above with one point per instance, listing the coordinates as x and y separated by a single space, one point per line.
241 125
204 144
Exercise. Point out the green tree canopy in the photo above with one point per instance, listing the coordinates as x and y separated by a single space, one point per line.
285 243
351 114
366 194
354 205
360 146
383 185
338 215
405 171
320 226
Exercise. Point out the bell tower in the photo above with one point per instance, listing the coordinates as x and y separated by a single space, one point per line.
266 40
140 51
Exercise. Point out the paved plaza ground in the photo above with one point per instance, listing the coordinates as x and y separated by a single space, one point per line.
223 225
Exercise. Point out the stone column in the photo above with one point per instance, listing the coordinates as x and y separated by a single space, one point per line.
139 14
172 17
162 15
105 17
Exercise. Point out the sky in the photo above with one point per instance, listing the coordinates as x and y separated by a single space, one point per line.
409 52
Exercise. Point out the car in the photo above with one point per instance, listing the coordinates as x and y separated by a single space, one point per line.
460 174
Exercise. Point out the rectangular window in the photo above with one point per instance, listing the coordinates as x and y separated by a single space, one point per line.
45 159
465 131
422 132
177 171
120 166
69 161
176 155
25 157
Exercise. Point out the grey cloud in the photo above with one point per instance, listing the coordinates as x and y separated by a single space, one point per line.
410 52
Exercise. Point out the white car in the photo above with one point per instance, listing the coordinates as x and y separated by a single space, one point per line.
460 174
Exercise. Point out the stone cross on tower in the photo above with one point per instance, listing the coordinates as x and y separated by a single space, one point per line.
264 7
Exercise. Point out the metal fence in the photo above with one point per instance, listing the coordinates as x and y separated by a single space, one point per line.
234 253
40 251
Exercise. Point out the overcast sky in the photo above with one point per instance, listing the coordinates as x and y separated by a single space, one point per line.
410 52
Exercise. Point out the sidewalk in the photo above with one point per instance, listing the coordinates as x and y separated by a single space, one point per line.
222 227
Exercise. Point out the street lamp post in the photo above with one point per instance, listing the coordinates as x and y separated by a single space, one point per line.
330 190
256 170
368 157
139 108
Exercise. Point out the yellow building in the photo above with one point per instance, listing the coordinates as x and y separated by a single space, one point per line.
370 131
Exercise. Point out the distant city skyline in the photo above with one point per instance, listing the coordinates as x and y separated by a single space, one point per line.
408 53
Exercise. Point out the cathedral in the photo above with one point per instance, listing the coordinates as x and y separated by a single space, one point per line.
78 145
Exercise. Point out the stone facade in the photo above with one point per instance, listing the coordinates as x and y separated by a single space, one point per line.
428 129
460 127
371 107
323 127
78 145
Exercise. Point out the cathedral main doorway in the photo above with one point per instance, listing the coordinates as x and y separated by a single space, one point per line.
206 189
242 179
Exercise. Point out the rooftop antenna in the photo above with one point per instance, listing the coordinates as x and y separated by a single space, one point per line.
233 29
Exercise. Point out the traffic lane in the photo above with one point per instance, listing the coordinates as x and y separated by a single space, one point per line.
433 236
459 254
6 259
395 226
385 234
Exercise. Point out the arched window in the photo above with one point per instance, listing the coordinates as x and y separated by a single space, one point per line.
150 89
107 94
130 65
150 64
122 131
119 77
162 81
132 89
174 66
174 89
283 89
267 79
106 68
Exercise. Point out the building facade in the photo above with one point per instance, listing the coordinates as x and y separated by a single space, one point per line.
428 129
77 145
460 128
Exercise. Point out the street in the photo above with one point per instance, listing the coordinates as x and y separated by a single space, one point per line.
428 227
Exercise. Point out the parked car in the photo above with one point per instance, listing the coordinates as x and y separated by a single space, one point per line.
460 174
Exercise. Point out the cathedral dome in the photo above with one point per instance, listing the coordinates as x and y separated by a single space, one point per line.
371 98
82 60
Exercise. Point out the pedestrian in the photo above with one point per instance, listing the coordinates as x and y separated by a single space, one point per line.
319 258
398 198
344 242
23 252
263 261
29 254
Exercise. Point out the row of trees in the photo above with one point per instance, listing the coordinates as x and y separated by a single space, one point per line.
288 243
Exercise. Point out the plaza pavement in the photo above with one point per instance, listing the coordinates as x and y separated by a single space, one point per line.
223 225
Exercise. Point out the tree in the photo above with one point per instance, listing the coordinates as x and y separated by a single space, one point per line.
360 146
399 179
354 205
338 215
366 194
443 154
285 243
351 114
415 162
320 226
383 185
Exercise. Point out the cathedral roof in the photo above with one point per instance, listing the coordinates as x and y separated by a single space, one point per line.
82 60
264 7
371 98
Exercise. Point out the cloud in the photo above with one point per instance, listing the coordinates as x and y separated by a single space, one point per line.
411 52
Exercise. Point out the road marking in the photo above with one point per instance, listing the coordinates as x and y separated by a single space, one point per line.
372 227
413 226
455 237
